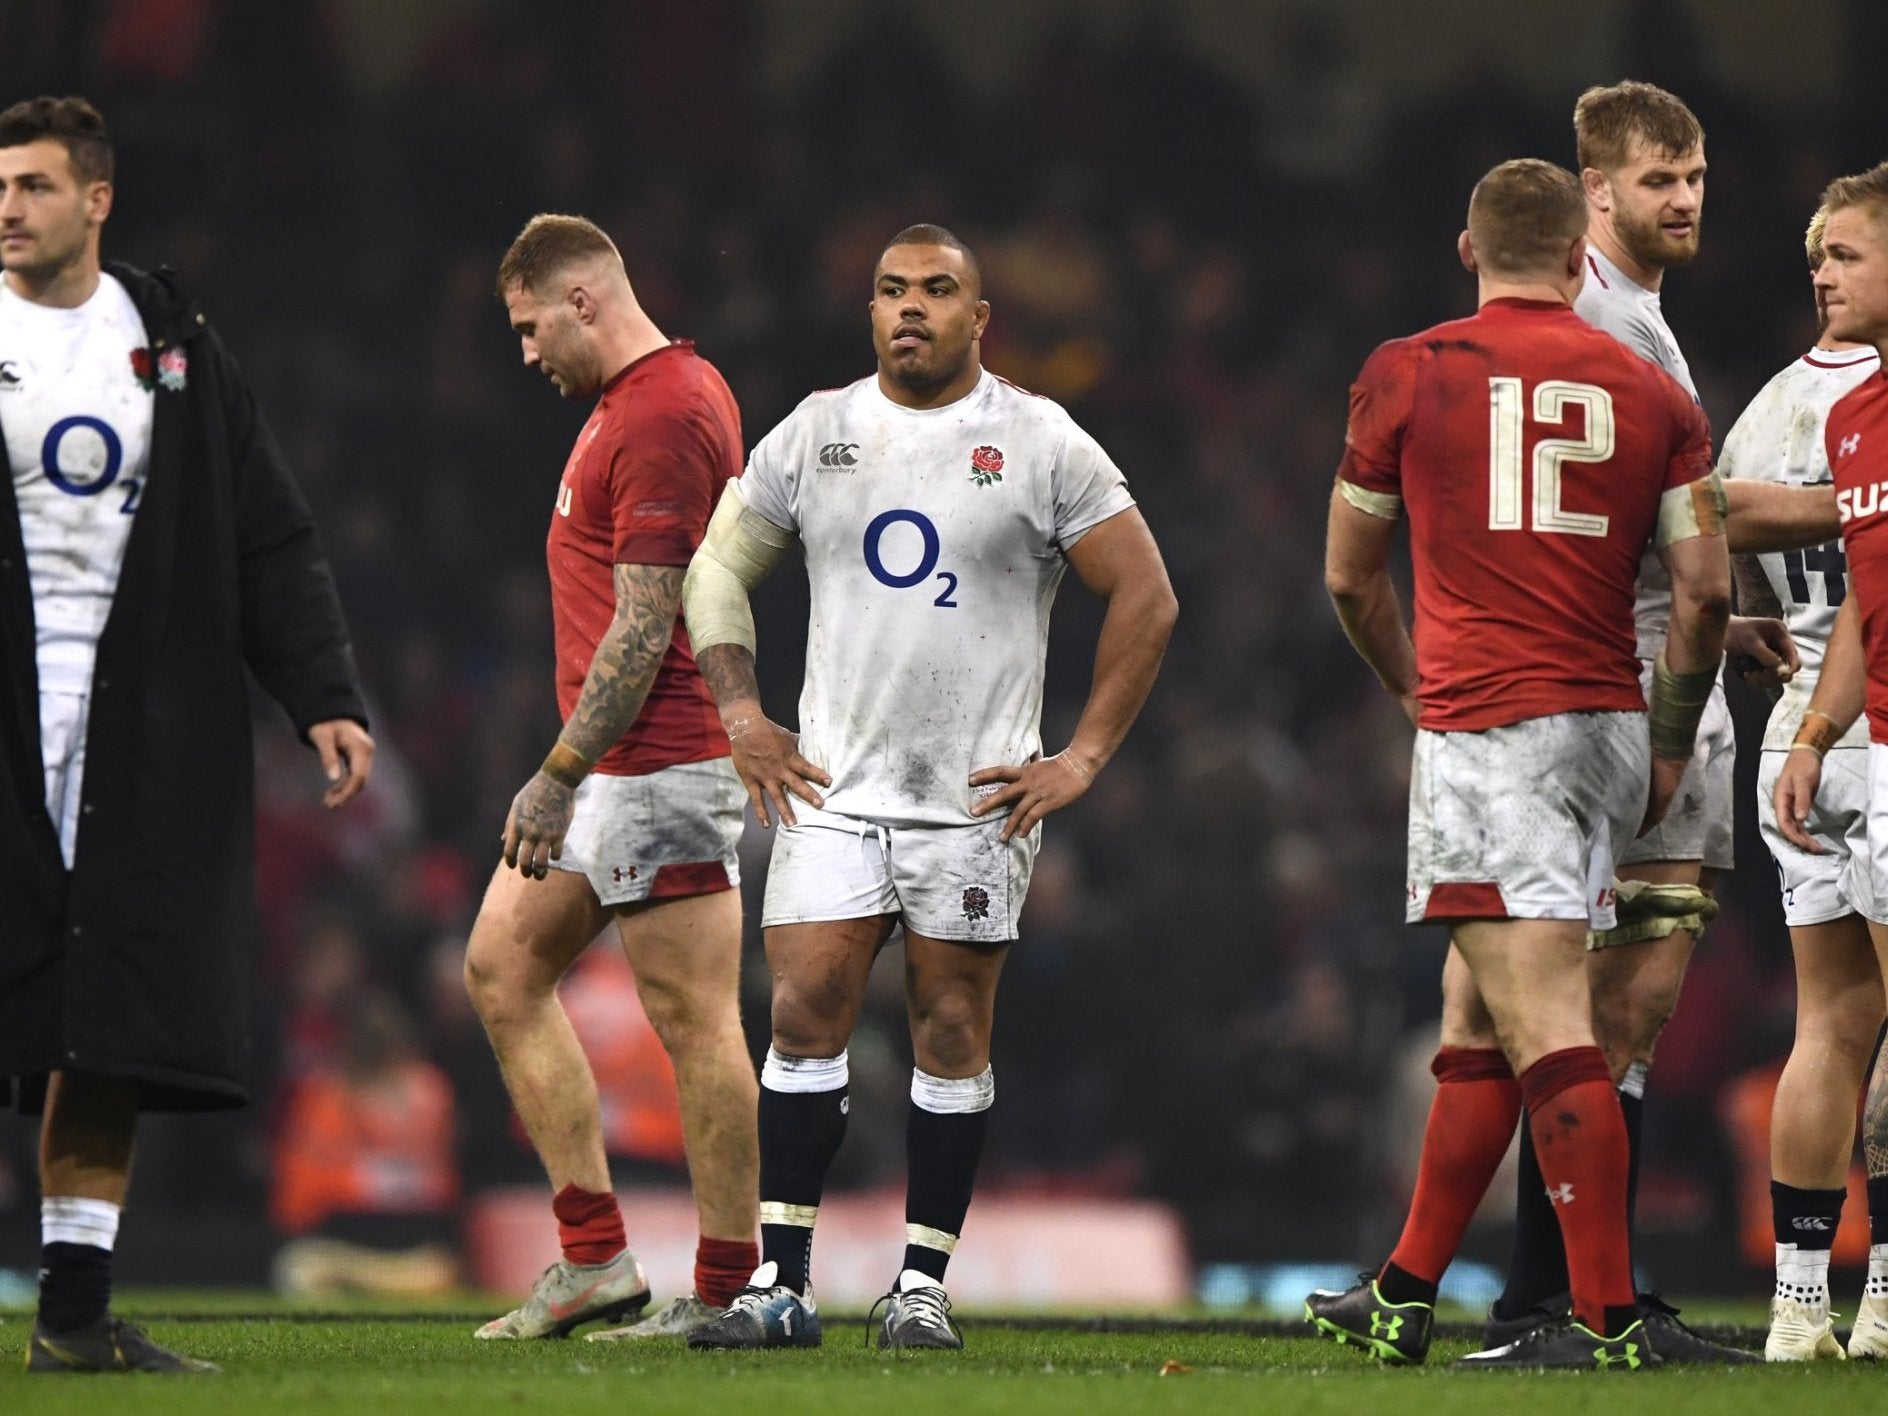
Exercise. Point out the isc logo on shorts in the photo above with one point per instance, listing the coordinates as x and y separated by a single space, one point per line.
1607 898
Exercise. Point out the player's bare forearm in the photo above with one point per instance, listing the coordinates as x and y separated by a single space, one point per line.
1357 578
1701 603
1842 684
1372 616
1134 635
1769 516
1755 595
728 670
627 659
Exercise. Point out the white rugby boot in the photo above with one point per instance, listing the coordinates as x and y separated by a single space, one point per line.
568 1295
677 1318
1801 1332
1869 1340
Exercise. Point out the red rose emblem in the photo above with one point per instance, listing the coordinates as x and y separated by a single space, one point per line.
987 459
142 367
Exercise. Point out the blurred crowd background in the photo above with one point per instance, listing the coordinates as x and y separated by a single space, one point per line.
1196 218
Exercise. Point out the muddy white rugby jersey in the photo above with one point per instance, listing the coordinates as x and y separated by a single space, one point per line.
1611 301
934 543
76 413
1779 438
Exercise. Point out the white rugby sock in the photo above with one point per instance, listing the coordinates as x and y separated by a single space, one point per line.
1803 1274
1877 1285
66 1219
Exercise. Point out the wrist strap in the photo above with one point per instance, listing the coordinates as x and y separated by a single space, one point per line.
1678 702
565 766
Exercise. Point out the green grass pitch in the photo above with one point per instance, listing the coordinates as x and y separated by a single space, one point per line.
276 1360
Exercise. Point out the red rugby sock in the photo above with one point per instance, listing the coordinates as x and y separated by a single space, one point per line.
1471 1122
589 1225
722 1268
1580 1139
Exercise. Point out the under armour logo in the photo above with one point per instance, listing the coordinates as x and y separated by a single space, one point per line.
1627 1357
1385 1328
839 455
1561 1194
1847 447
622 873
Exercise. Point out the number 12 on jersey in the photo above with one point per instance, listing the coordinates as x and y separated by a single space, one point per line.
1507 434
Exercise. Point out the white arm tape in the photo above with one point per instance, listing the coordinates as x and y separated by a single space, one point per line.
740 547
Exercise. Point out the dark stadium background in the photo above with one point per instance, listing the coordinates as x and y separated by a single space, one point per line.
1196 219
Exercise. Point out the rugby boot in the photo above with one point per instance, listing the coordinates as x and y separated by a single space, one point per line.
917 1314
1678 1345
1569 1344
677 1318
567 1295
1802 1332
763 1314
1869 1338
1499 1331
1359 1317
108 1345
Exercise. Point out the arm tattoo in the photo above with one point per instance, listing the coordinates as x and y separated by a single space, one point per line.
728 670
1754 593
1875 1120
627 658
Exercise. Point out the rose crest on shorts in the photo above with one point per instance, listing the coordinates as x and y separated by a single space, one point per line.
976 902
986 465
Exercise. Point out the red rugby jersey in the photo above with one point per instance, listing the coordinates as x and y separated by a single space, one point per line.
1857 441
638 489
1530 452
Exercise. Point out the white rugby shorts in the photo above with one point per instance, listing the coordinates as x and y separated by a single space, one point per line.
659 836
949 882
1699 825
1865 881
1814 887
62 723
1525 821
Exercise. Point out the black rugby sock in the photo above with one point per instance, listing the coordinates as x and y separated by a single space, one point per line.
74 1286
1537 1264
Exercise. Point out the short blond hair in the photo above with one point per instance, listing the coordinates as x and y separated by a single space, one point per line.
1606 120
1865 189
549 244
1524 215
1812 238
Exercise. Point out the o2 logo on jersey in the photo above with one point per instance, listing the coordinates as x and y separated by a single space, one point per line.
927 558
107 469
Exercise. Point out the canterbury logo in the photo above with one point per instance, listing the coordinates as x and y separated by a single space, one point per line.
1811 1221
839 455
1386 1328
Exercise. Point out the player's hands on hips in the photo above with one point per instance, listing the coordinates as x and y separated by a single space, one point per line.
347 756
1667 772
768 758
1795 796
1033 789
536 826
1762 651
